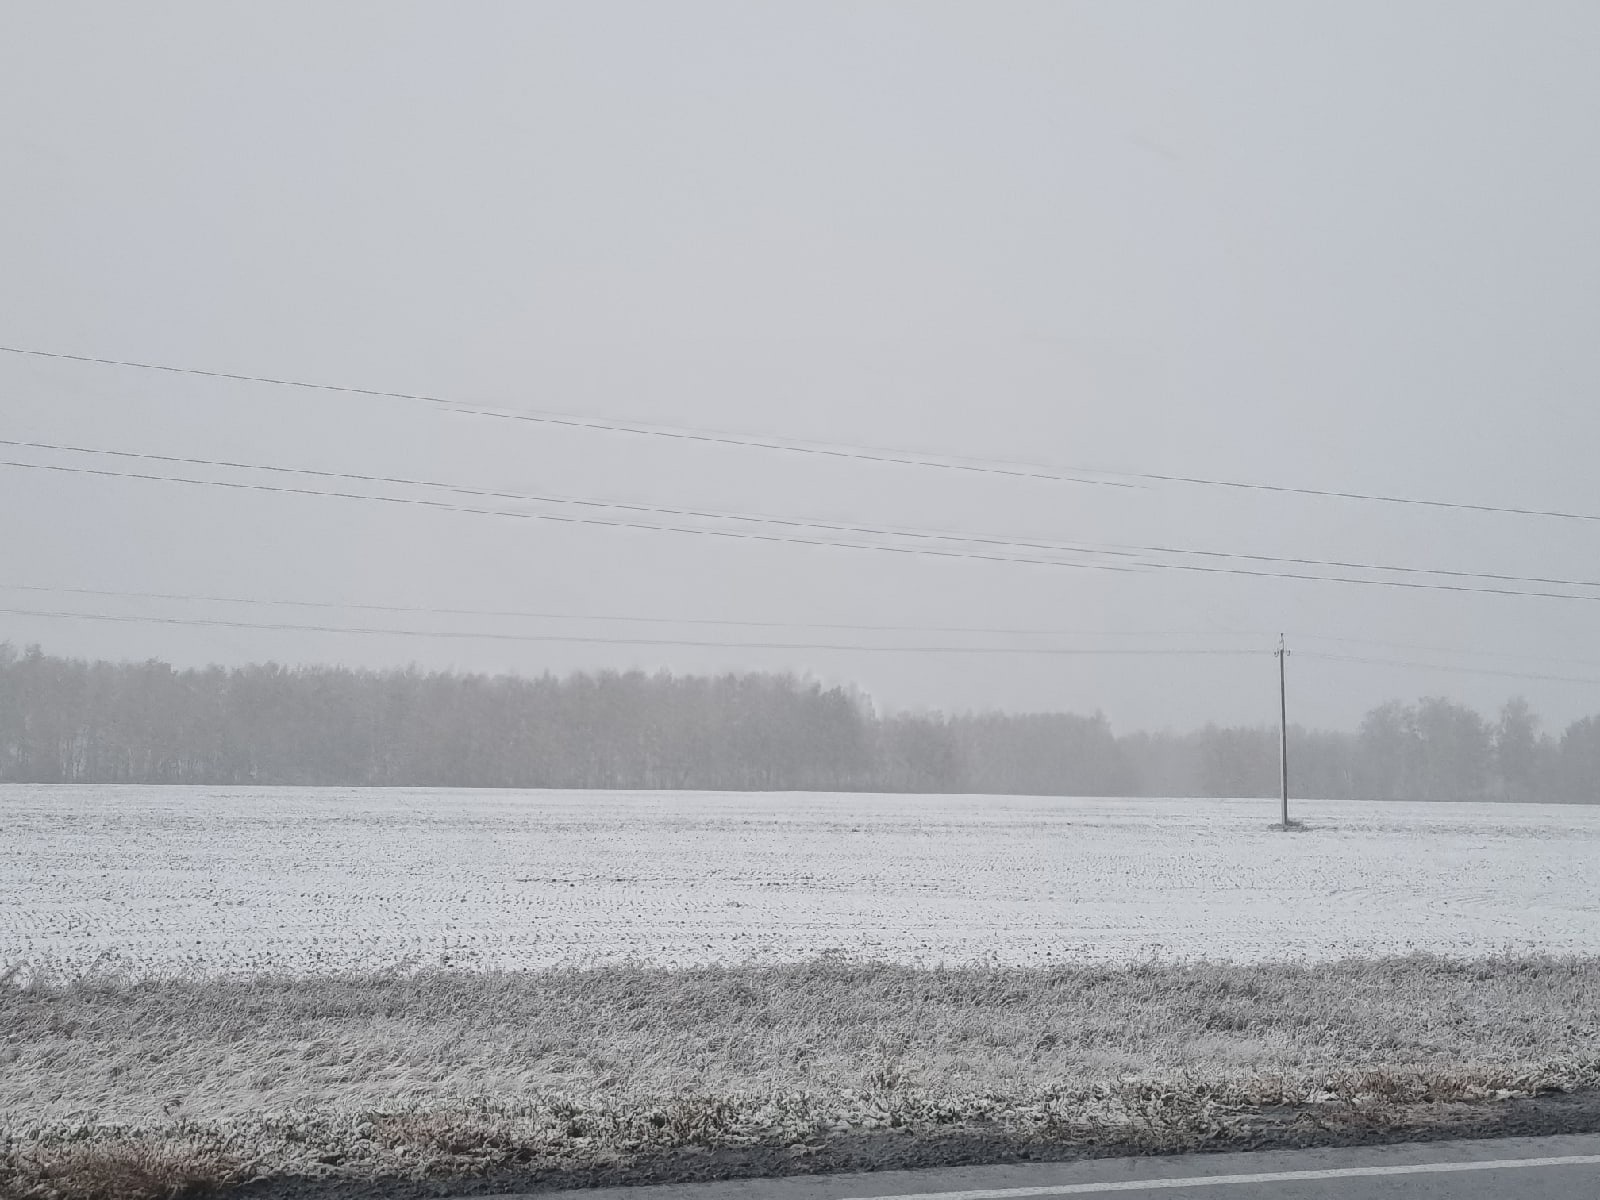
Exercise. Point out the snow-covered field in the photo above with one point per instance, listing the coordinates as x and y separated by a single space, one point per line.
317 879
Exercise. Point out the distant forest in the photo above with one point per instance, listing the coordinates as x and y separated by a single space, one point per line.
69 721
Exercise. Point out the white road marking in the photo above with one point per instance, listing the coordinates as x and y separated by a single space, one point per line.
1197 1181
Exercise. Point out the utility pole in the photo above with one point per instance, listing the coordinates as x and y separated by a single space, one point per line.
1283 728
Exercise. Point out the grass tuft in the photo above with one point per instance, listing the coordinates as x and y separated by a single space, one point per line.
122 1169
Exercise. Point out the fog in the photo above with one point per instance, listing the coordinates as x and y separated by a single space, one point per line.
1335 247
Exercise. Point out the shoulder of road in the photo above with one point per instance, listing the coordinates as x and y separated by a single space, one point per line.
1556 1168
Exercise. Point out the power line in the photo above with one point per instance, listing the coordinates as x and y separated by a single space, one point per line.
567 616
574 501
708 437
1455 650
789 539
1053 651
1455 670
1126 551
439 505
843 627
1016 470
469 635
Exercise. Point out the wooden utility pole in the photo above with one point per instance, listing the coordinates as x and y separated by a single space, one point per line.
1283 728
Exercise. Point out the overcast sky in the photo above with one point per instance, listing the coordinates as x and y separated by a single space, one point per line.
1344 246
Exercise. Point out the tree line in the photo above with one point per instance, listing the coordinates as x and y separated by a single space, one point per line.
67 720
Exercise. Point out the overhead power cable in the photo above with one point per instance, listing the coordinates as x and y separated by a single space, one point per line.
1134 566
424 610
574 501
472 635
872 454
1125 551
1000 631
1059 651
441 506
1454 670
1082 475
1419 648
415 610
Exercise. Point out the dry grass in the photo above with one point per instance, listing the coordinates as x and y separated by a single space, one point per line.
113 1168
113 1089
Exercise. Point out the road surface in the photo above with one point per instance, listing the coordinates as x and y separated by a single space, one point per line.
1558 1168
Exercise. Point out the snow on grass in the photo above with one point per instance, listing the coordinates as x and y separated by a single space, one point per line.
146 1090
166 880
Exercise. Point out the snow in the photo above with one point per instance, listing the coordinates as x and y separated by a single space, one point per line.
158 880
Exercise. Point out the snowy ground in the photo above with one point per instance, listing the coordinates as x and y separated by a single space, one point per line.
321 879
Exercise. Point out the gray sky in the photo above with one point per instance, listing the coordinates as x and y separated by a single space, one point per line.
1347 246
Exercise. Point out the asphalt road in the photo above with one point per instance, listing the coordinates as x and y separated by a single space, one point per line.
1557 1168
